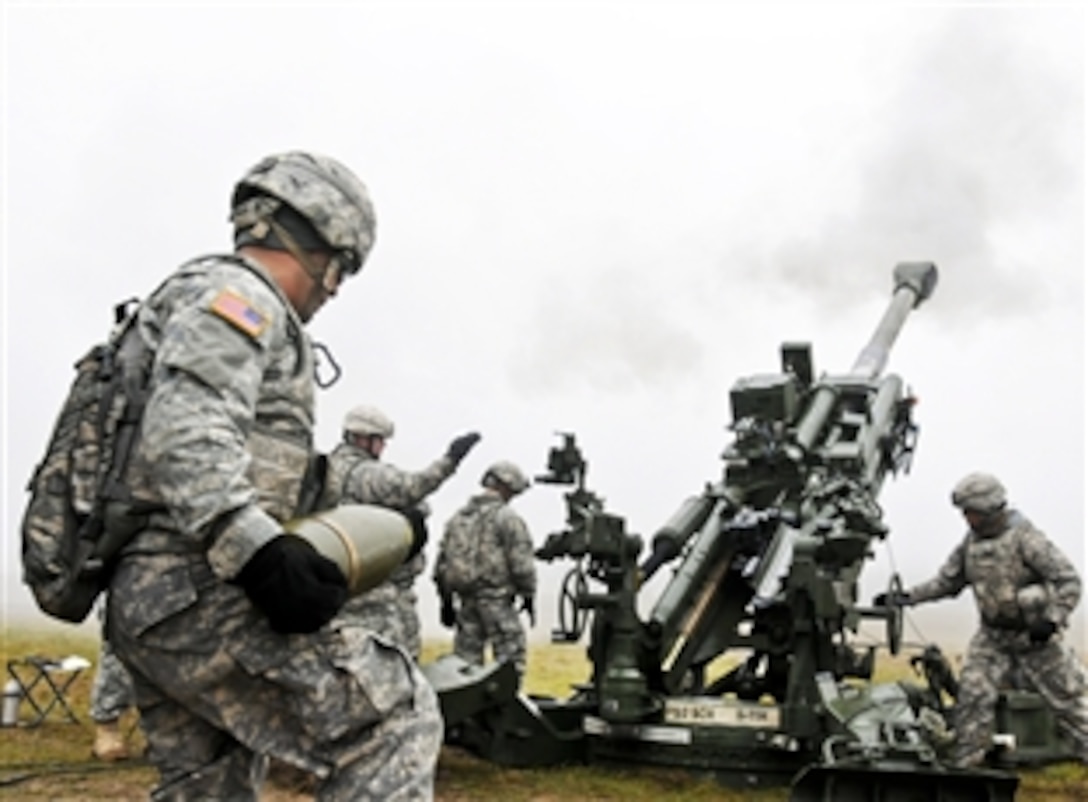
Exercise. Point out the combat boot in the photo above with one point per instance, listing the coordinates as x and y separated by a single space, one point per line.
109 743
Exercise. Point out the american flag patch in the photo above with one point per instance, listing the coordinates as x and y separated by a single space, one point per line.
237 311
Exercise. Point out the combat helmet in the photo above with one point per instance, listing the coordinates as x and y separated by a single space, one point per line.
321 203
368 421
507 474
979 492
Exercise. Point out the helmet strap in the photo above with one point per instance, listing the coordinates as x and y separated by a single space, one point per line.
320 275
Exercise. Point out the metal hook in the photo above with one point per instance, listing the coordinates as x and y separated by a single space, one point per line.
321 354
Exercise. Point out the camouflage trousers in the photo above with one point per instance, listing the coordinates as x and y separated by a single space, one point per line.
111 691
998 660
391 611
218 691
484 619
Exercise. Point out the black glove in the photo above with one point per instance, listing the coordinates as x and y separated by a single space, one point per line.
449 612
1042 631
528 605
897 599
418 521
295 586
461 446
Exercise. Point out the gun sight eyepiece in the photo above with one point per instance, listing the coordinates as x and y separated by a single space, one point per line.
566 466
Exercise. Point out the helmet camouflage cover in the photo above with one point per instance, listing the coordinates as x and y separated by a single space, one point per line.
979 492
508 474
328 195
367 420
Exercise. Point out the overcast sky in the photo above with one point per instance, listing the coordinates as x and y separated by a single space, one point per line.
592 217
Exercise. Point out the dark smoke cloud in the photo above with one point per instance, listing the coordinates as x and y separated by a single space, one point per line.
984 137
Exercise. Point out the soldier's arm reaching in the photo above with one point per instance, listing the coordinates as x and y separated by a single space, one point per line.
950 580
381 483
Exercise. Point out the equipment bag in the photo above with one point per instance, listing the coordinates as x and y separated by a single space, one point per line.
67 549
460 555
461 559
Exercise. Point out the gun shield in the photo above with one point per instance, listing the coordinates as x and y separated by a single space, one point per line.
365 541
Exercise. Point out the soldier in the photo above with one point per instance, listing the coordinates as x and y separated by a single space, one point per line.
357 475
1025 589
485 562
218 615
111 696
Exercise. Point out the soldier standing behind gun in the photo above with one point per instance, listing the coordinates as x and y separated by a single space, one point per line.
218 614
357 475
1025 589
485 562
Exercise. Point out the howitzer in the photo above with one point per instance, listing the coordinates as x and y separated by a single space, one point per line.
745 665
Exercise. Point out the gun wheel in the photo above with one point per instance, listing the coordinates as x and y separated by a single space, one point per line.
572 616
894 615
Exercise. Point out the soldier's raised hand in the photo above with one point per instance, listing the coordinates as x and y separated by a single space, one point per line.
461 446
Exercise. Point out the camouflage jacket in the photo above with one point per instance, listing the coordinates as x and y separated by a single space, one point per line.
226 435
997 567
501 553
356 477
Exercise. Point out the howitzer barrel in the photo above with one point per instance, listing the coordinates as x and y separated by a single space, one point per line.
914 283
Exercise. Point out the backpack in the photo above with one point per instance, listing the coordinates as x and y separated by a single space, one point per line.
460 561
68 550
462 567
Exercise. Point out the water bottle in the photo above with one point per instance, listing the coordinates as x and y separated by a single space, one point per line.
13 694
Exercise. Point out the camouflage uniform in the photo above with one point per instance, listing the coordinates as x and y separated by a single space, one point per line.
1003 568
504 569
226 438
111 690
355 476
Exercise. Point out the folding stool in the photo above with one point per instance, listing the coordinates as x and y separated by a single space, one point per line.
44 683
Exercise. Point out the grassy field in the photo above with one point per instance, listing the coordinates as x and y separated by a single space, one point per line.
53 761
